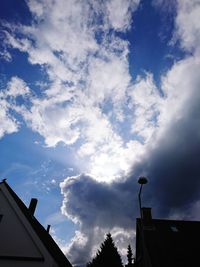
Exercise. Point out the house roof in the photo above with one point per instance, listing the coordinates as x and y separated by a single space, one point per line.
171 242
41 232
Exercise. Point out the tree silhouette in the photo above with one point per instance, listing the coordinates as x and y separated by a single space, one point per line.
107 256
130 257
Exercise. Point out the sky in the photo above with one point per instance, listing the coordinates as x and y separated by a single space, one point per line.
93 95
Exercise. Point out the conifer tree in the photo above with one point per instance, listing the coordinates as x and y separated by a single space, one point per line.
130 257
107 256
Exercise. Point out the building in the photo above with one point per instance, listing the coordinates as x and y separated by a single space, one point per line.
166 243
24 242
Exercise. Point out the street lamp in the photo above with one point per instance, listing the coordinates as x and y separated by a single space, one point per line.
145 259
141 181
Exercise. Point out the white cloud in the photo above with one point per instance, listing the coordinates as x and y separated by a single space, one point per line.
109 77
146 102
15 87
8 123
90 84
180 86
120 13
6 55
85 77
36 7
187 24
74 250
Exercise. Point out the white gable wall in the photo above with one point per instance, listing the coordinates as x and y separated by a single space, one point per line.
17 238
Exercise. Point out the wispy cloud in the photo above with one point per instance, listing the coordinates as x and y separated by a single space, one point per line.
8 96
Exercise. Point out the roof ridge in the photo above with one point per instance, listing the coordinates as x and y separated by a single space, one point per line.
41 232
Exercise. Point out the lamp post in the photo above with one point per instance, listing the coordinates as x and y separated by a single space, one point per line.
141 181
145 259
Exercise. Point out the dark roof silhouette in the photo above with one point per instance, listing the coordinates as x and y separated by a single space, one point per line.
167 243
41 232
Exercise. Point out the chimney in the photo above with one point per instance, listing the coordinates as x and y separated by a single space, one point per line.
48 228
32 205
146 216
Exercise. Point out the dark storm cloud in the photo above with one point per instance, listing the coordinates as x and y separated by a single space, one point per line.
174 165
94 203
173 169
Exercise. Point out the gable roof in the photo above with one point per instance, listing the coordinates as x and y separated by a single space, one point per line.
170 242
41 232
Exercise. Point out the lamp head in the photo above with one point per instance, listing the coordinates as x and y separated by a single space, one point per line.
142 180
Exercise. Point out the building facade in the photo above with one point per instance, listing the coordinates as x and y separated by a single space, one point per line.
23 240
166 243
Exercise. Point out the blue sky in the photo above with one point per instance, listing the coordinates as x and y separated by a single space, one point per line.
94 94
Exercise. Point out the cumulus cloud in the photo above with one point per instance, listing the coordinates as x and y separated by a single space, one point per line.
86 188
